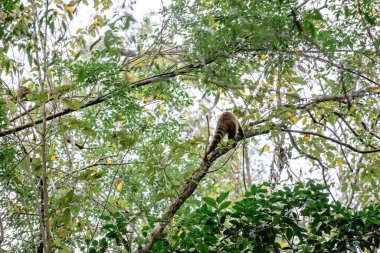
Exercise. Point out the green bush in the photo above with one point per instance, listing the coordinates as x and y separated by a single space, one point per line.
302 219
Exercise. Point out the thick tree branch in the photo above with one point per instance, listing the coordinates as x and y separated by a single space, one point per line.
186 191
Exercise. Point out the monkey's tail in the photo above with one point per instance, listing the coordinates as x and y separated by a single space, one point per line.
218 136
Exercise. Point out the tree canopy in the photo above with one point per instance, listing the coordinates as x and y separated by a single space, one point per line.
105 118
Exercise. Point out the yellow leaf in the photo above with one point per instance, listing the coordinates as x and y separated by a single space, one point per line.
162 109
61 175
340 162
307 137
108 161
97 175
31 86
271 99
54 158
291 117
265 149
119 186
69 9
377 90
211 19
220 91
134 79
98 20
123 204
73 2
263 57
283 245
138 95
351 109
73 54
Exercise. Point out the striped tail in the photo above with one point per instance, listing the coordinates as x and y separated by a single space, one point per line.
218 136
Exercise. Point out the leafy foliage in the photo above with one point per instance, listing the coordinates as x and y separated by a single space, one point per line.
298 219
105 117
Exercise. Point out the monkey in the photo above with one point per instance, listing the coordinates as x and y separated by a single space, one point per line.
227 124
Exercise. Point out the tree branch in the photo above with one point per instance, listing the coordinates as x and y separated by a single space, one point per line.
186 191
331 139
352 95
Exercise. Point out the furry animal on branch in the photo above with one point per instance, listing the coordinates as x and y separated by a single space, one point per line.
227 124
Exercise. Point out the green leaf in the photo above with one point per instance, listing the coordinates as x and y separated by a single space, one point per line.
210 201
66 217
75 208
317 15
222 197
299 80
289 234
30 59
12 106
217 97
84 175
105 217
369 19
109 227
72 104
63 89
37 96
330 155
202 248
224 205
